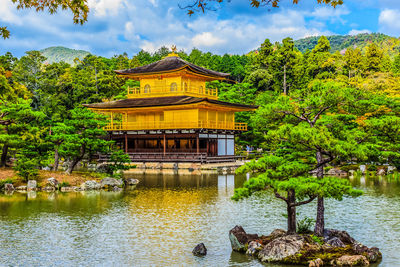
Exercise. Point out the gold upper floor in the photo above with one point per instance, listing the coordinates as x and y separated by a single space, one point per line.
174 84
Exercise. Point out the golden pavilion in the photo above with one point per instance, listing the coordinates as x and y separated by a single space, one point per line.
173 116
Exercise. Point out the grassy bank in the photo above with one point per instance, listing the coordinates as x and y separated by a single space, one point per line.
75 179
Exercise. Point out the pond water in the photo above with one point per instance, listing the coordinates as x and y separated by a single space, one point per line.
160 222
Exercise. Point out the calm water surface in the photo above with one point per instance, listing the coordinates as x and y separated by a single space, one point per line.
160 222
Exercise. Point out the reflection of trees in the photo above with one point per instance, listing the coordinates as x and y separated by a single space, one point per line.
377 185
21 205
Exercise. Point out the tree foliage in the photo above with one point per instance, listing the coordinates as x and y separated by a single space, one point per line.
203 5
79 9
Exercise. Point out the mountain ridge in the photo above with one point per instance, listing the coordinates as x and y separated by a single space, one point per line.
61 53
388 44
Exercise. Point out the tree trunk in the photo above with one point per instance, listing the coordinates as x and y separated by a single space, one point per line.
56 160
3 161
291 211
320 221
284 80
72 165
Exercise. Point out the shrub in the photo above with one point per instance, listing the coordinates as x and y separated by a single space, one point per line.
117 161
251 156
304 225
348 168
317 239
372 168
64 184
26 168
6 181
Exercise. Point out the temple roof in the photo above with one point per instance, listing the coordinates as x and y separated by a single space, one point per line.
162 101
169 64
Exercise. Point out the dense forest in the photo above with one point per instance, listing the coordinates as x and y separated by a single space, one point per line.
41 110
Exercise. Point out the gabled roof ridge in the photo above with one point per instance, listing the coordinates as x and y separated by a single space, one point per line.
169 64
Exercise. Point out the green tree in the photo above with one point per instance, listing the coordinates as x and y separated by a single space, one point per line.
320 62
353 61
284 62
28 71
373 58
85 136
396 64
307 130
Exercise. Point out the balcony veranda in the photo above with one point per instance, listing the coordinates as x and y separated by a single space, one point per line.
163 91
175 125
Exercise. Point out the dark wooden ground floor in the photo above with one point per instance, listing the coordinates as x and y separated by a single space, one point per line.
177 147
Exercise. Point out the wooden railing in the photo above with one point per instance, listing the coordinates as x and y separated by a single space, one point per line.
171 125
142 92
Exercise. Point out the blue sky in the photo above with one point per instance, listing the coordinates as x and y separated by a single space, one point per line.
117 26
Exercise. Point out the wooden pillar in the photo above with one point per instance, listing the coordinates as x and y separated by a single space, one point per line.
208 146
112 121
126 143
197 144
165 144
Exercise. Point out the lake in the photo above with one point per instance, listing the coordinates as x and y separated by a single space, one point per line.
160 222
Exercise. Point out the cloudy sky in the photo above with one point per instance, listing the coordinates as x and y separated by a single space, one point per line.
117 26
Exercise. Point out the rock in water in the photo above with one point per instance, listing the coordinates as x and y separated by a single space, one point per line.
316 263
48 188
239 239
67 189
342 235
32 184
253 248
9 187
354 260
110 182
91 185
53 182
381 172
373 254
21 188
200 250
117 189
282 247
131 181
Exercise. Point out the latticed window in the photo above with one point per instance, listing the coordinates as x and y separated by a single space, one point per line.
185 86
147 89
201 90
174 87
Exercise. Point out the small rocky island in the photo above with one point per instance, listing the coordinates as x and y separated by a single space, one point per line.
335 248
52 184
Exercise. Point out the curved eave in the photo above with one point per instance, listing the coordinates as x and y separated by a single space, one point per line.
194 102
136 76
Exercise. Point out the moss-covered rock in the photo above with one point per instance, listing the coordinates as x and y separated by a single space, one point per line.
336 248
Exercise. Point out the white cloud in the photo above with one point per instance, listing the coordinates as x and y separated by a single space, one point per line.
7 9
327 12
389 22
121 26
105 7
206 39
355 32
